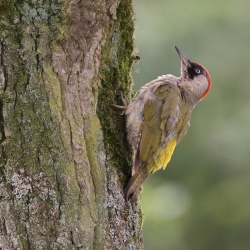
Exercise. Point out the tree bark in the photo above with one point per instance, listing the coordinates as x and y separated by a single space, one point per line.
64 154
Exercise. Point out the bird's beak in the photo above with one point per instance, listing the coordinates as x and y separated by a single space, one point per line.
183 57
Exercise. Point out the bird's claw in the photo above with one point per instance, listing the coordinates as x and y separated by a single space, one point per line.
124 103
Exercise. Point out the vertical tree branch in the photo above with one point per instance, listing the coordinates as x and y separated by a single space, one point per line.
64 153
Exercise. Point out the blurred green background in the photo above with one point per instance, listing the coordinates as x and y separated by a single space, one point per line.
202 200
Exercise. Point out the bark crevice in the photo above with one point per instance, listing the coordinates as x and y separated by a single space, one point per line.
63 147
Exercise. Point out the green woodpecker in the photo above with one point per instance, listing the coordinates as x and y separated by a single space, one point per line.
159 118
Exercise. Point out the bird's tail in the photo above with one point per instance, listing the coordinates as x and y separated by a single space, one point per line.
135 183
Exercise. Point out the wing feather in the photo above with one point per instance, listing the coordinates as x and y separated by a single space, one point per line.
160 117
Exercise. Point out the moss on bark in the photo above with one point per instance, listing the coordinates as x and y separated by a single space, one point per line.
64 153
117 59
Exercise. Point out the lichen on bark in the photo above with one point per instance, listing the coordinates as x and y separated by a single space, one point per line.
64 153
32 156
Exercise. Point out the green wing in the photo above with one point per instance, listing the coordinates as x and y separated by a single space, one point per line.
158 138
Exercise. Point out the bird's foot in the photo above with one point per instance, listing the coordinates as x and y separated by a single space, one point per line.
124 102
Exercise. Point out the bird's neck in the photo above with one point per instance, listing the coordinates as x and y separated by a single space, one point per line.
190 93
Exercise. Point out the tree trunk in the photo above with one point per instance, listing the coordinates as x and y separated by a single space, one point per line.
64 154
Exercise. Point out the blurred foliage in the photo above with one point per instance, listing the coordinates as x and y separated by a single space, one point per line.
202 199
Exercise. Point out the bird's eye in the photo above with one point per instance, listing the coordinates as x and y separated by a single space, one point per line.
197 71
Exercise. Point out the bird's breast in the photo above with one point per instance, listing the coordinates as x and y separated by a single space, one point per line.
183 122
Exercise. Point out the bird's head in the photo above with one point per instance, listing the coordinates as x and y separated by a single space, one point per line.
194 77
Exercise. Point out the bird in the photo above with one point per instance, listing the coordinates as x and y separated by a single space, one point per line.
159 117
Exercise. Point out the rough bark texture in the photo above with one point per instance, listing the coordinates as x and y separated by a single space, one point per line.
64 154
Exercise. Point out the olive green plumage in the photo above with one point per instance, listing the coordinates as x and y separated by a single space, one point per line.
159 118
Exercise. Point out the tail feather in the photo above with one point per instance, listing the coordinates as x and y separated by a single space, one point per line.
135 183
